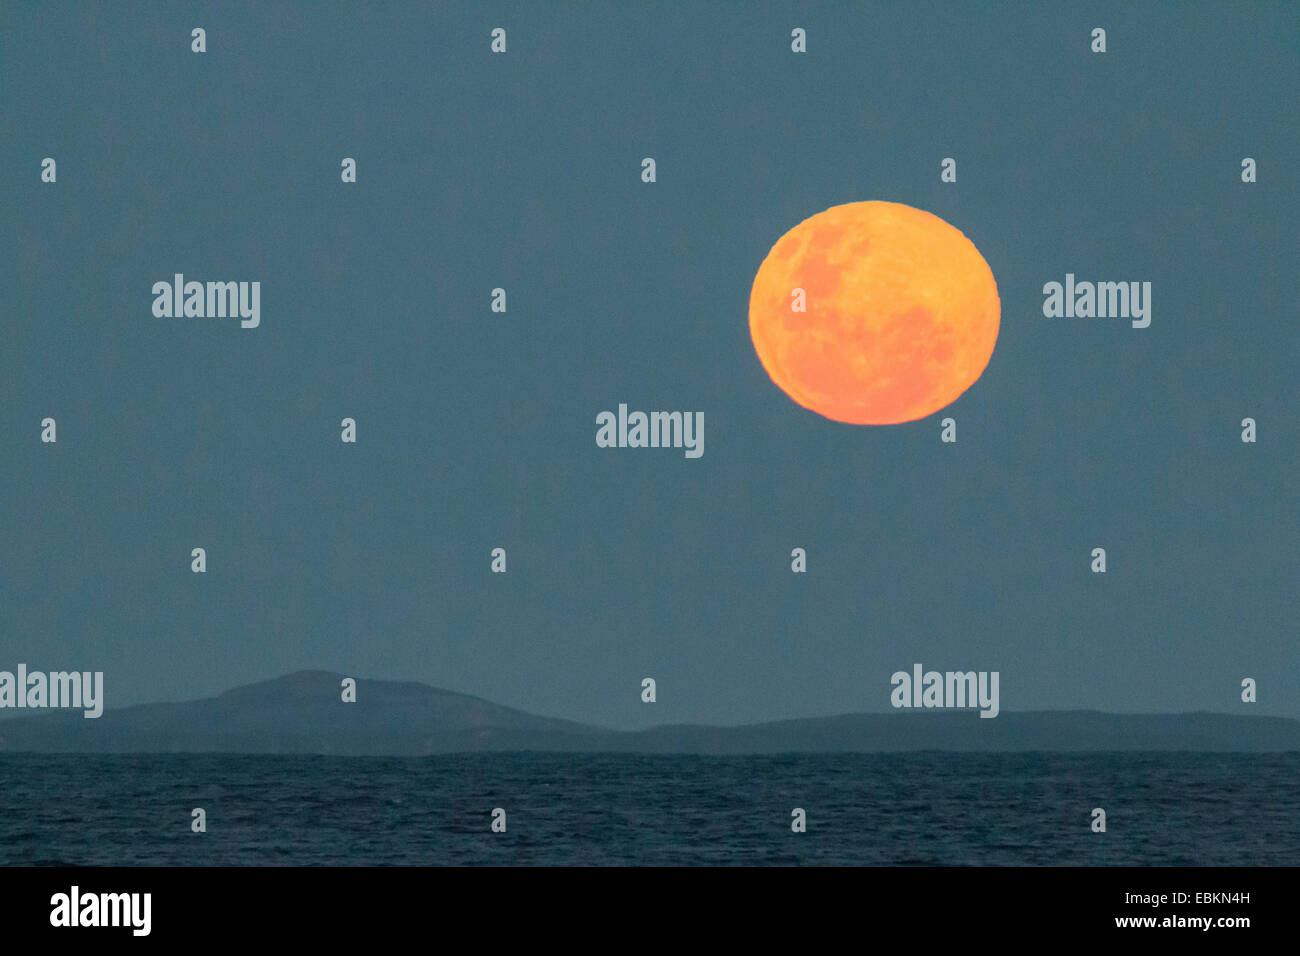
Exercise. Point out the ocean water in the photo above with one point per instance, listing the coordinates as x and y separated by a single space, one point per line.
619 809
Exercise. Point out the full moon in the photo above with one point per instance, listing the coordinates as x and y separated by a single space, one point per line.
874 313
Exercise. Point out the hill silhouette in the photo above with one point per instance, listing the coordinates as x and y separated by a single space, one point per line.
303 713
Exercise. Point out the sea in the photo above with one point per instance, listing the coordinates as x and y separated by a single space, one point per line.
1012 809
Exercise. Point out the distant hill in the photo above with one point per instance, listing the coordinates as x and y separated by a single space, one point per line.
302 713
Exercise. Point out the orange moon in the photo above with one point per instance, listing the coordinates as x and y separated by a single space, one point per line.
900 313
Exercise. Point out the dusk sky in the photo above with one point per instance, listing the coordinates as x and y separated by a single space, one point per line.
476 429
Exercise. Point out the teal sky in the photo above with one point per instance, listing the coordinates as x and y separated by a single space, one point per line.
477 429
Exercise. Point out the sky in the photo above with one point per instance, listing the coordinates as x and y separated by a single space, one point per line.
476 429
